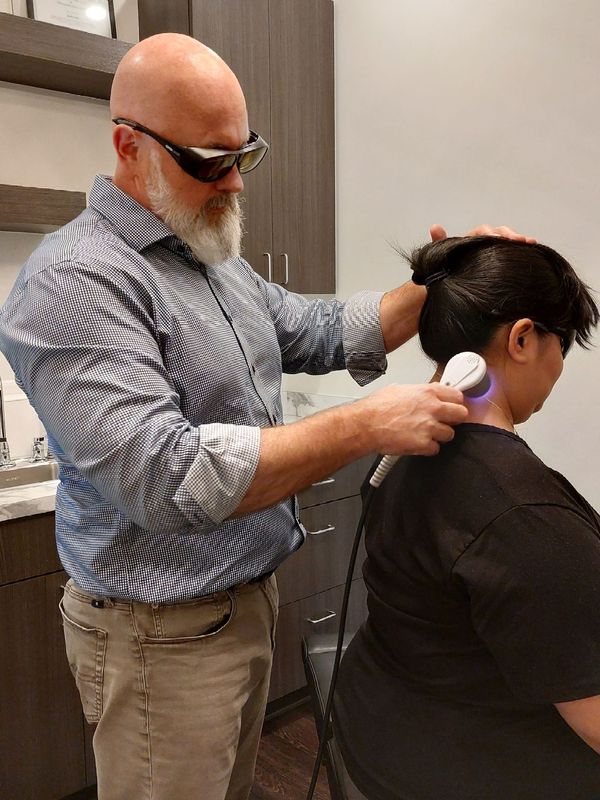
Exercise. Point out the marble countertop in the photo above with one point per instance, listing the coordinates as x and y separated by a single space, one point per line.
39 498
25 501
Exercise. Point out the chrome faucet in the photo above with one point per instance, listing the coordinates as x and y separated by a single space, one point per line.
5 459
40 450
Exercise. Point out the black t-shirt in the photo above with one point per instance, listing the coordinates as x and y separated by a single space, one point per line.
483 574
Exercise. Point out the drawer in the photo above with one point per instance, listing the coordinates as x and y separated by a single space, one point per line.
318 614
27 548
343 483
322 561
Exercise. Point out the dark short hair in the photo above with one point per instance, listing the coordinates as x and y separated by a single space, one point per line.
492 282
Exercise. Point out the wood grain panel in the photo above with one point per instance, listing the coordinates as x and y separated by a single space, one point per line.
28 208
41 730
156 16
238 30
322 561
288 670
27 548
303 129
53 57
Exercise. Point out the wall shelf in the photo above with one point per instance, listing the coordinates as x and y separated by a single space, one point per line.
48 56
32 210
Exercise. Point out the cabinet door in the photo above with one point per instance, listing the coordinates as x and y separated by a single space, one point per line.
303 132
238 30
41 723
318 614
27 548
322 561
346 482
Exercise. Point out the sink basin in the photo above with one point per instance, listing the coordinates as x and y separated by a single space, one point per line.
25 473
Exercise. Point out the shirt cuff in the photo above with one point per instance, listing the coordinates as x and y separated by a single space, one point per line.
364 347
220 475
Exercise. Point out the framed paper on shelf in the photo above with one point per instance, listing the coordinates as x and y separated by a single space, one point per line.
92 16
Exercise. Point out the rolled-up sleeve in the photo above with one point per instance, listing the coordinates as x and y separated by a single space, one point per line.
98 382
317 336
364 347
221 473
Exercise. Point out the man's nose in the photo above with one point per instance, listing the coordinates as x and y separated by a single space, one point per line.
232 182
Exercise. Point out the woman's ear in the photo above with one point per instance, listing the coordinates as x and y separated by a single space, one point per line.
521 340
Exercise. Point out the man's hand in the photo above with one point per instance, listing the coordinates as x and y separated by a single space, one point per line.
437 232
397 420
412 420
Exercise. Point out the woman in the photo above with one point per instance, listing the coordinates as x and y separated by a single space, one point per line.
477 674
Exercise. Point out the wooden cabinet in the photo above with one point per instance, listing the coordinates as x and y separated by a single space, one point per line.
238 30
311 581
303 134
319 613
322 561
41 723
282 52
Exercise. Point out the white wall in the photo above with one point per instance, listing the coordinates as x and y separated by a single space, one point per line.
465 112
53 140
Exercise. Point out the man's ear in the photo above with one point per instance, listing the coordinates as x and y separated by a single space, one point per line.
520 340
125 143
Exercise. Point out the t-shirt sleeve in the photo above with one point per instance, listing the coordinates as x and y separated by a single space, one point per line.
533 579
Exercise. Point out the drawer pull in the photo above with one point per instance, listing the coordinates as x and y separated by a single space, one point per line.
325 482
328 615
328 529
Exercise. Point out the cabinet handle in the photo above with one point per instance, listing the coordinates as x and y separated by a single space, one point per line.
324 483
328 615
286 261
328 529
269 267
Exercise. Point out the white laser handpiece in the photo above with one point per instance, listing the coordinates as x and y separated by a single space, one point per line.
466 372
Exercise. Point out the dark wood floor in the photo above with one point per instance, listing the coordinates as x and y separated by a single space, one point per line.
286 756
285 760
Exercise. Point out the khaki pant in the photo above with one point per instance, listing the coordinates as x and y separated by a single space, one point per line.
178 691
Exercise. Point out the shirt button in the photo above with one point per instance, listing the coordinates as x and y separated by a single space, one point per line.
253 368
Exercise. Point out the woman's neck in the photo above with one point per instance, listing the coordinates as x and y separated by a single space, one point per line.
492 409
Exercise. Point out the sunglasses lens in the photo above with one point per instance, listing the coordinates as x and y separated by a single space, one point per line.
212 169
251 159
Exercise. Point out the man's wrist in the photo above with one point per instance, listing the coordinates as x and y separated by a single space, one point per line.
400 310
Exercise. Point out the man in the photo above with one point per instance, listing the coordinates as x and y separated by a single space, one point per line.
153 355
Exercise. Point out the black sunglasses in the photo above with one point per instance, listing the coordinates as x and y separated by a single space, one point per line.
204 164
566 338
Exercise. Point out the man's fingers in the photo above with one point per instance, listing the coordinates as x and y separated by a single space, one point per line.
452 414
448 394
502 231
443 433
437 233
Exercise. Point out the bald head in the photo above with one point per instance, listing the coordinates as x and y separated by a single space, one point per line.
179 88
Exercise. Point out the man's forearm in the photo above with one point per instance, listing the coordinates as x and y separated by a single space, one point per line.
399 314
294 456
397 420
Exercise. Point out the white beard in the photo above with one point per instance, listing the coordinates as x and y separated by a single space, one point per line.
211 242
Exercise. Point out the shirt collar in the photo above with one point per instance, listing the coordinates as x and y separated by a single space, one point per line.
137 225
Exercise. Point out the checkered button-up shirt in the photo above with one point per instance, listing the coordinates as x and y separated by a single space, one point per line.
153 376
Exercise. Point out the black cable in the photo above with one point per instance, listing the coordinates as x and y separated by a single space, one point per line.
340 642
